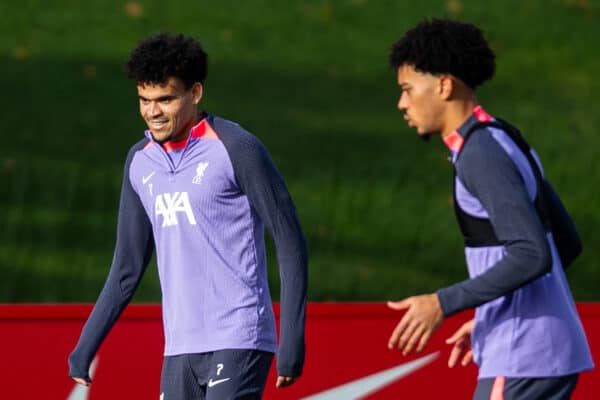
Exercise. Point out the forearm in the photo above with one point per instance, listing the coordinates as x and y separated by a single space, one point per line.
522 264
294 280
492 179
105 313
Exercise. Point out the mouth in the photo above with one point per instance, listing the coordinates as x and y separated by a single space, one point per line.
157 125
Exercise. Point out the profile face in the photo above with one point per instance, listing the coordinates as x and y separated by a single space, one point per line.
420 100
169 109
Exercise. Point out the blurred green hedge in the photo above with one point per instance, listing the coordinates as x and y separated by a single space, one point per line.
310 78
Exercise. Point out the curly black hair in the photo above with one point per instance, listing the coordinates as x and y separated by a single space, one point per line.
163 56
442 46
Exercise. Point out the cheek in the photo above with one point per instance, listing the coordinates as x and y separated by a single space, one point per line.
181 116
174 113
422 104
416 105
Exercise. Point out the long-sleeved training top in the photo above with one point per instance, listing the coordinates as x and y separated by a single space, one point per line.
526 323
203 204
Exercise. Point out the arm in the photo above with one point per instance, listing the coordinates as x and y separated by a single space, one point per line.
260 180
490 175
133 250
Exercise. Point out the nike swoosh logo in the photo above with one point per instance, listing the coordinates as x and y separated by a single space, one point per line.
359 388
212 383
81 392
145 179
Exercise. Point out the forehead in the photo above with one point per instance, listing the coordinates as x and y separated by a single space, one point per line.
408 75
172 86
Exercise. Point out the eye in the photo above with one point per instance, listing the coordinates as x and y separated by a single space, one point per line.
166 100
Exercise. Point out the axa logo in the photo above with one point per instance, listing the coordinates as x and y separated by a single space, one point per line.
170 205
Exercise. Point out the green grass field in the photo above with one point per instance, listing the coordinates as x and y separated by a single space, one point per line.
310 78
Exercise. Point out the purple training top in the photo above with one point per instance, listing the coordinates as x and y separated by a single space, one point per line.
526 323
203 204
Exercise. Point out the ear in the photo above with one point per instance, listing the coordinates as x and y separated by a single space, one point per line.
446 86
197 91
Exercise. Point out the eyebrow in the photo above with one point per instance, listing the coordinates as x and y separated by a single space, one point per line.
161 98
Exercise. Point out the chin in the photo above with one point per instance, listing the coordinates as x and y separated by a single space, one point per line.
160 138
426 131
424 136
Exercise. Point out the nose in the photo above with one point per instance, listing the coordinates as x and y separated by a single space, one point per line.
402 102
154 109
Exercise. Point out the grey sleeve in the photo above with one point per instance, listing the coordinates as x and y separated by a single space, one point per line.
490 175
133 249
259 179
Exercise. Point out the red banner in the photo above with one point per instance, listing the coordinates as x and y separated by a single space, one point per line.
347 357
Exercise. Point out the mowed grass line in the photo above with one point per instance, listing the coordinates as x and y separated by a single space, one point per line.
311 80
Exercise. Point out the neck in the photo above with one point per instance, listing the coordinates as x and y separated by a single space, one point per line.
457 113
185 132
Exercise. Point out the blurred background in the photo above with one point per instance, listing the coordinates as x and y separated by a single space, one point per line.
311 80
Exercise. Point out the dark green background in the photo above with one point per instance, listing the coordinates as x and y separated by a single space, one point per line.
311 80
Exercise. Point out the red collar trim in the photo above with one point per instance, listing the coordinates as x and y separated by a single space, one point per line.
172 146
481 115
455 141
201 130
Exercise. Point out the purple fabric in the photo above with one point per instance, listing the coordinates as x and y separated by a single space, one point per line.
535 330
205 205
210 250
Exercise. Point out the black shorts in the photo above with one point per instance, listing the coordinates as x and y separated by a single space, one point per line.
501 388
219 375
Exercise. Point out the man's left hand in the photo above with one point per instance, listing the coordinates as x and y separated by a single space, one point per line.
423 316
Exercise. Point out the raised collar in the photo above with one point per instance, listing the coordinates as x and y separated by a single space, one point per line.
201 130
455 140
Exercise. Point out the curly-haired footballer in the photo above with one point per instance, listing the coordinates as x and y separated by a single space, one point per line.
526 336
200 190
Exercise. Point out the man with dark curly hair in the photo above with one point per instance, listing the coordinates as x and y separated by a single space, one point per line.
200 189
526 336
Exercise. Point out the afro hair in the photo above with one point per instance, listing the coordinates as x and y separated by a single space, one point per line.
442 46
163 56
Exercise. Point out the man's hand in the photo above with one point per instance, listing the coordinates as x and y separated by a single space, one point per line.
423 316
461 339
283 381
82 381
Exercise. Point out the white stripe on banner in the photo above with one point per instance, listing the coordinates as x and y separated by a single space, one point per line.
354 390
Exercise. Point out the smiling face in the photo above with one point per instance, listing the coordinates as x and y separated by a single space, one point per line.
422 100
169 109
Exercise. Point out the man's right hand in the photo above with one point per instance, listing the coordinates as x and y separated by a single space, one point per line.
283 381
82 381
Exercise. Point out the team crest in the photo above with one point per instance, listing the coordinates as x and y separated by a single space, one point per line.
200 173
